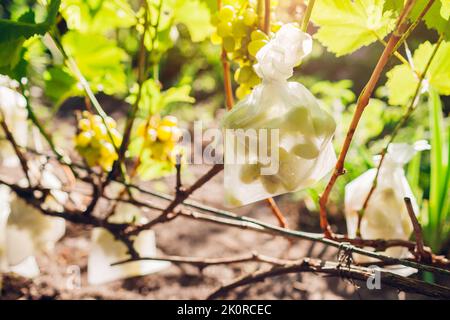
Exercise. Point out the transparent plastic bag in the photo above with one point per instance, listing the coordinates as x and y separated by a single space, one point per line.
291 132
106 250
386 216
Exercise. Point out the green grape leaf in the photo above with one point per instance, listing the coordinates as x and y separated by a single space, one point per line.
400 85
153 100
25 27
346 25
14 33
177 94
59 84
394 5
436 18
97 16
100 60
402 81
150 169
445 9
195 15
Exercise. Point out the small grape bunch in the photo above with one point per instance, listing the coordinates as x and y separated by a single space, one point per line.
97 142
237 30
160 137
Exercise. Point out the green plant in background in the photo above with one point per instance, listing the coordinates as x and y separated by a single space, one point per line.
435 213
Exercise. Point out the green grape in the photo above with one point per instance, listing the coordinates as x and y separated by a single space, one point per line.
97 119
116 137
242 91
274 27
239 28
324 125
100 130
215 20
229 44
226 13
288 170
298 119
238 56
84 124
232 200
83 139
270 183
255 46
253 80
307 150
94 143
258 35
164 133
107 149
110 122
245 74
224 29
249 173
216 39
250 17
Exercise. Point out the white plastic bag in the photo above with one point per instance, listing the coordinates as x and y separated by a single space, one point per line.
386 215
106 250
302 152
13 108
24 230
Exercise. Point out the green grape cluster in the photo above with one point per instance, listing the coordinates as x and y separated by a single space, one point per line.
312 126
237 30
160 138
96 141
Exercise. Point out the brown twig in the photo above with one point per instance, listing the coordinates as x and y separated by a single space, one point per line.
413 26
179 185
266 28
335 269
277 212
273 230
205 262
168 213
363 101
422 254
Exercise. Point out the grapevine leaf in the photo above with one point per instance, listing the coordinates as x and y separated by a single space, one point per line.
100 60
445 9
195 15
400 85
178 94
394 5
402 81
25 27
14 33
153 100
346 25
59 84
436 18
97 16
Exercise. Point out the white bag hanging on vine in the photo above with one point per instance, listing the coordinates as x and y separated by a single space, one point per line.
386 216
13 109
106 250
304 153
24 230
